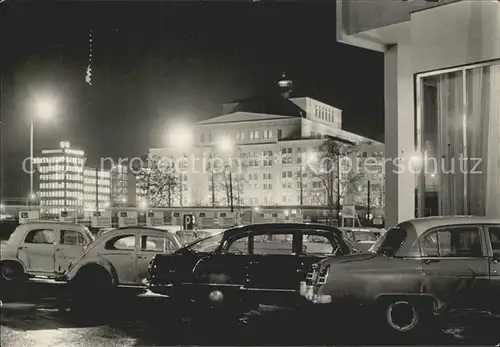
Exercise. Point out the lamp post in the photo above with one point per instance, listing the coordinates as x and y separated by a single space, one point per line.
226 146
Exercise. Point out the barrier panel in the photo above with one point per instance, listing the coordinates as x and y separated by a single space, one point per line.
101 219
206 220
28 216
154 219
127 219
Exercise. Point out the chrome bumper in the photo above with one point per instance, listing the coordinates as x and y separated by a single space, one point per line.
308 292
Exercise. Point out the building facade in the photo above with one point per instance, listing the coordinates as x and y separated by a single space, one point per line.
268 149
442 92
66 184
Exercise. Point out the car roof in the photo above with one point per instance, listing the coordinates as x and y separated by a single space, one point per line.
281 226
423 224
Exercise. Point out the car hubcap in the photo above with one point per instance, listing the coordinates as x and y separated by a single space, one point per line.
216 296
402 316
7 272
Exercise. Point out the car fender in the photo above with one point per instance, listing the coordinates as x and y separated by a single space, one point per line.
94 261
9 253
425 300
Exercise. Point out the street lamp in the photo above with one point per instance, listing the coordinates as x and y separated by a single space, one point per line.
226 146
43 108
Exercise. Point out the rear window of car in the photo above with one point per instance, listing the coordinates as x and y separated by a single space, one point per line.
392 241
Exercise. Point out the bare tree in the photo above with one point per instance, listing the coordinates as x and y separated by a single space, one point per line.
329 167
158 181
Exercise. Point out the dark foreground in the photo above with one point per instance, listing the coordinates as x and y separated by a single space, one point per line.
144 321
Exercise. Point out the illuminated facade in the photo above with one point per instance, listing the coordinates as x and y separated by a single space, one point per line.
119 185
270 137
96 189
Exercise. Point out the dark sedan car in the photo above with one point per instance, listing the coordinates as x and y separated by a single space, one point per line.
245 266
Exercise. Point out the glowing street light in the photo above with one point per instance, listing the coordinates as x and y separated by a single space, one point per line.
43 108
226 145
181 137
143 205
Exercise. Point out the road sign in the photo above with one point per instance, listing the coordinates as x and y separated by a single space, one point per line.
101 219
188 222
127 219
28 216
154 219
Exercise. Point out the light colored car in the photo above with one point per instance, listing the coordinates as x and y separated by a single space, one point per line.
121 257
44 249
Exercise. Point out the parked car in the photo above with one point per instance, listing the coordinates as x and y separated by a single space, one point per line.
241 267
417 269
120 257
42 249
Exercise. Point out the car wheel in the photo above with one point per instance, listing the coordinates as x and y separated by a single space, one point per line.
403 316
11 271
93 291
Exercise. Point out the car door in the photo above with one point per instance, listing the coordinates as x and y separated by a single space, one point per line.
121 252
455 266
494 241
274 270
69 249
37 250
149 246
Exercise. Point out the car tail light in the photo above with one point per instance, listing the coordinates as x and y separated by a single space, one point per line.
323 275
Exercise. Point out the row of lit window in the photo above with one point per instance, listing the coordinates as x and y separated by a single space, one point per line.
60 194
60 185
93 189
61 168
252 135
60 202
60 177
61 159
101 182
327 114
91 197
92 173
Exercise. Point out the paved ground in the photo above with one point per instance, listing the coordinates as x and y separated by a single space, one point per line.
144 322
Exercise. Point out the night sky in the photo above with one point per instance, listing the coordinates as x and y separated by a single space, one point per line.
153 62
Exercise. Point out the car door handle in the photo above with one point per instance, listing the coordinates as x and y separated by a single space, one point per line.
142 257
428 261
494 261
22 247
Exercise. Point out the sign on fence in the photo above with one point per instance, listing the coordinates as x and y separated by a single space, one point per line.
154 219
127 219
101 219
28 216
206 220
188 222
67 216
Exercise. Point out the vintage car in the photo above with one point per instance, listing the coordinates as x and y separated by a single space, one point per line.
43 249
242 267
120 258
417 270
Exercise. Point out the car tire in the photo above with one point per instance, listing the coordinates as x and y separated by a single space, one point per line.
93 292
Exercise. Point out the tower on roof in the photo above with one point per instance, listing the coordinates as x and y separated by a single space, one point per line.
285 86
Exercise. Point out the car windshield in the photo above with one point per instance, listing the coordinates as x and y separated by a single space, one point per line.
390 243
364 236
207 244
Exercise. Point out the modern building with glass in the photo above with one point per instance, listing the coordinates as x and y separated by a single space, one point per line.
442 100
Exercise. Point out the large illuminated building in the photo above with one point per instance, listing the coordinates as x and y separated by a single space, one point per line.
270 136
65 183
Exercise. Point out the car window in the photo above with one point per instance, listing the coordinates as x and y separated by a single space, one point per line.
317 244
153 243
41 236
208 244
454 242
495 240
72 238
122 242
238 246
392 242
273 243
